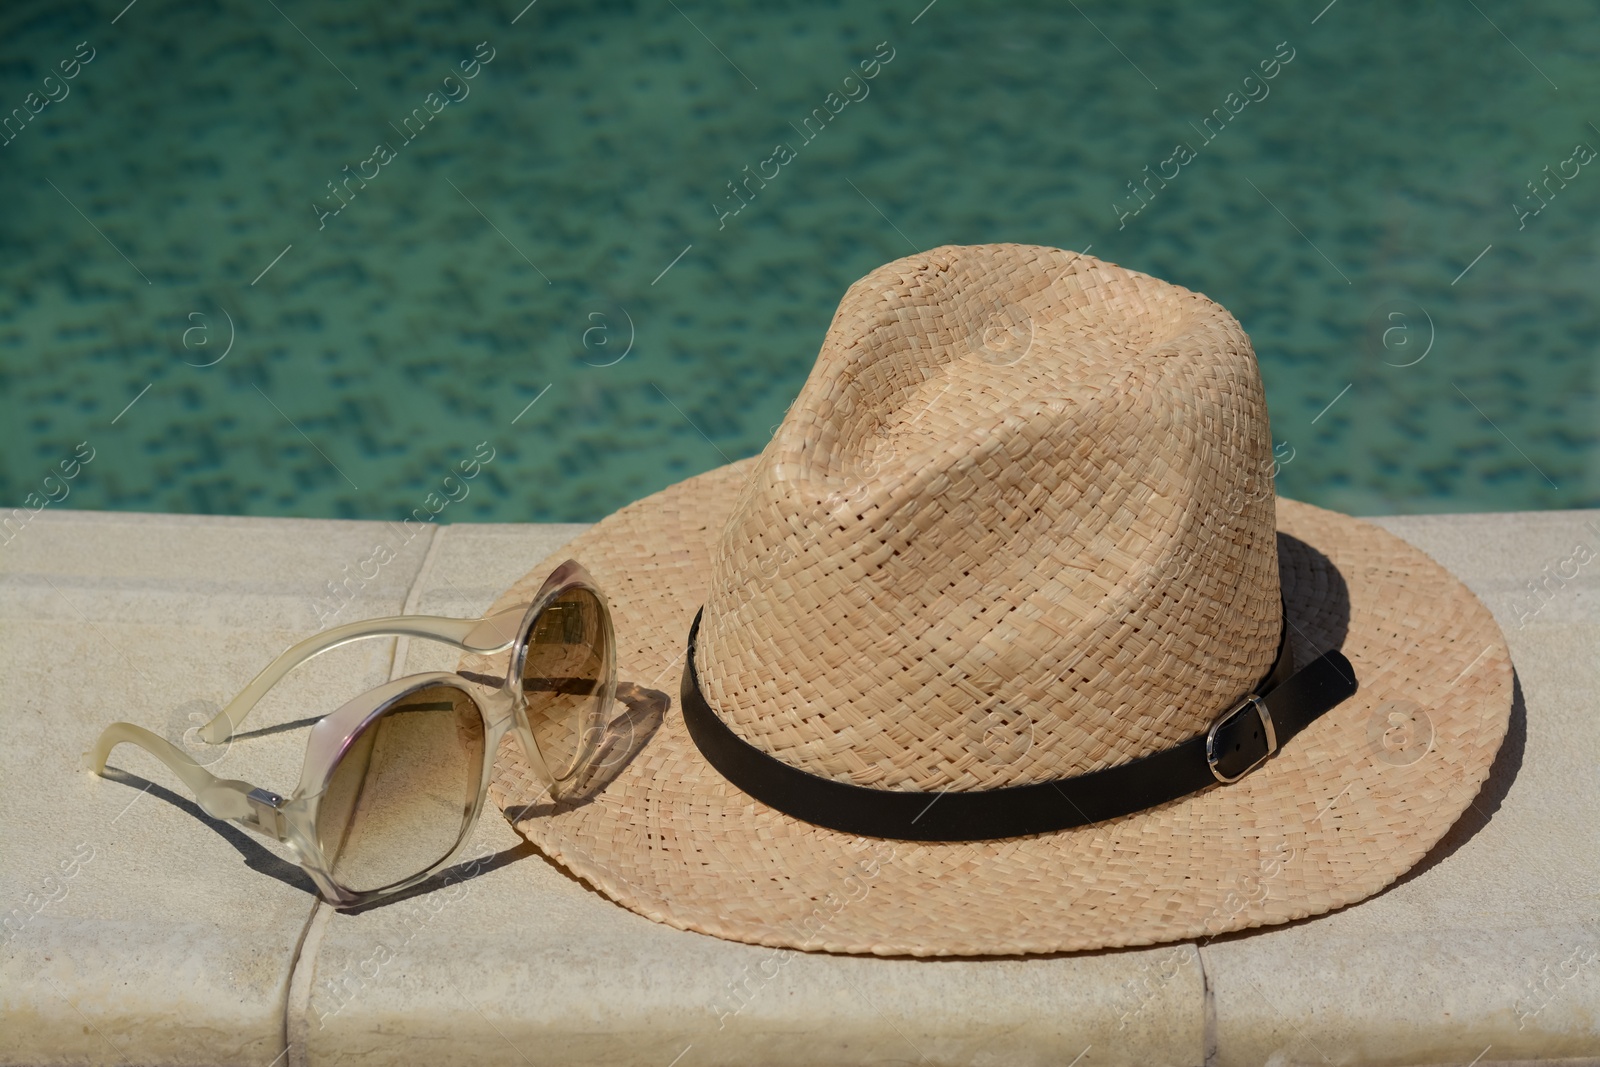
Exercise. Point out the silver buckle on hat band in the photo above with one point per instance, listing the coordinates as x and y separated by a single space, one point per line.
1238 709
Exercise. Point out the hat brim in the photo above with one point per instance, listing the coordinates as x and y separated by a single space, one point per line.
1343 810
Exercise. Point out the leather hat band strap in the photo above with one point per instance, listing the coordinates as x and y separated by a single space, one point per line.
1239 740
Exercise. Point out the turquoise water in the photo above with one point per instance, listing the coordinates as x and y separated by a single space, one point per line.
188 301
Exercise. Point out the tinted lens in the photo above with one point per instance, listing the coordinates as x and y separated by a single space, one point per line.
400 798
563 678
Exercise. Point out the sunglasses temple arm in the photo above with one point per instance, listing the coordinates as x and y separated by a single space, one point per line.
485 636
220 798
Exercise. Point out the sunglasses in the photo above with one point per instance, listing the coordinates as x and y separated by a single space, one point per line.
394 780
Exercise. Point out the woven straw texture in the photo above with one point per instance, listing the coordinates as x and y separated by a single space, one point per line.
1018 540
1018 525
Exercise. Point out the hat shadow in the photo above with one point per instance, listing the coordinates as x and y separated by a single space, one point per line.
625 737
1317 596
1491 794
1318 621
1480 810
1305 571
1310 578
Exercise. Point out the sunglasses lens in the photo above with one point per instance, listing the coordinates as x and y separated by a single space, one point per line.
402 794
565 676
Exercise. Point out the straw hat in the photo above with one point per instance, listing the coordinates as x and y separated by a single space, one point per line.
1019 528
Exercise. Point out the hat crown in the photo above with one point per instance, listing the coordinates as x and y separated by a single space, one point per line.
1018 525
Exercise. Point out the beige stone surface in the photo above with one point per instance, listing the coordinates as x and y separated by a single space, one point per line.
139 930
153 935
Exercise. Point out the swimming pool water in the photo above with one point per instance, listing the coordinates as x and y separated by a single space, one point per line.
218 283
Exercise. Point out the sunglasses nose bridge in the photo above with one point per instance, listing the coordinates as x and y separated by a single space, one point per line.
499 704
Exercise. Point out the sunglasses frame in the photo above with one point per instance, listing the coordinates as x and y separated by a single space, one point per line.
292 820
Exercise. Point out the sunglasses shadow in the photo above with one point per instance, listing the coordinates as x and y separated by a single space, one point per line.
625 736
256 857
281 728
261 860
464 871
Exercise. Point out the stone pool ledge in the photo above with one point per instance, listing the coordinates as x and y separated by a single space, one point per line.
139 932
